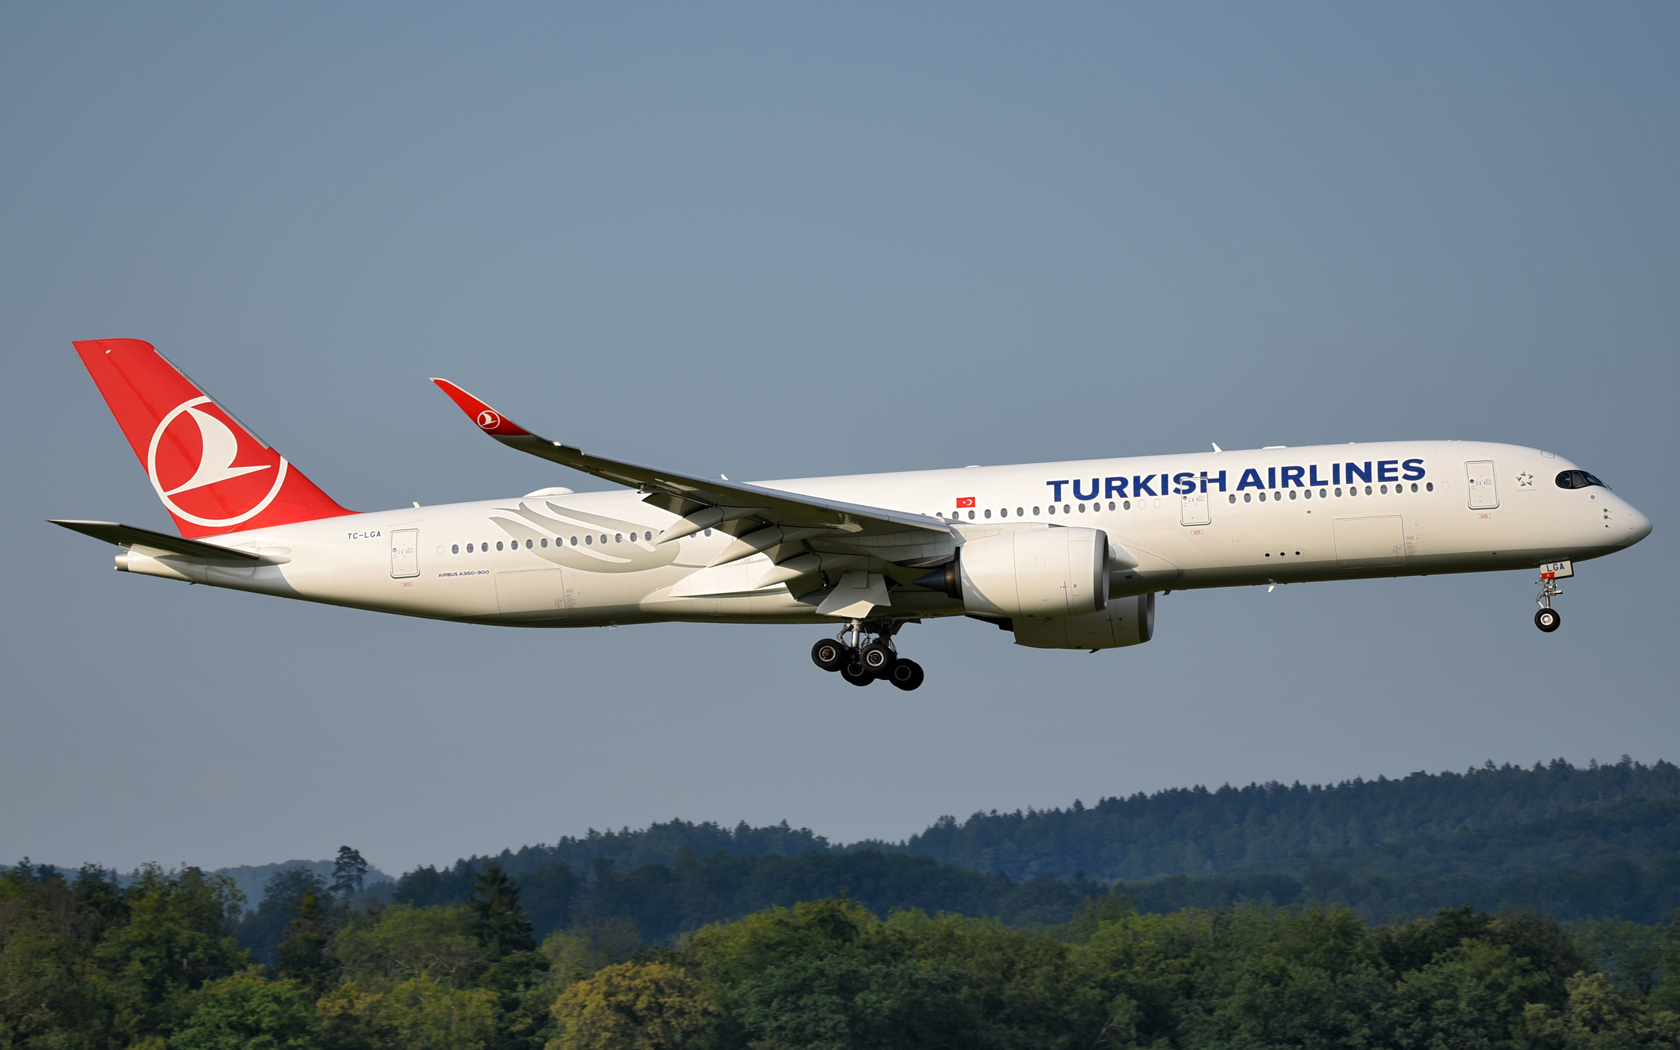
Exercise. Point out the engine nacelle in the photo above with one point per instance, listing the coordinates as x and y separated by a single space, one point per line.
1126 621
1032 573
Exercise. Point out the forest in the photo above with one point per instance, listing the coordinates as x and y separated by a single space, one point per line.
1503 907
155 962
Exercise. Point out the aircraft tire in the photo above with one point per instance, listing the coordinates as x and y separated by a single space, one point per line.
1548 620
831 654
906 675
877 659
855 674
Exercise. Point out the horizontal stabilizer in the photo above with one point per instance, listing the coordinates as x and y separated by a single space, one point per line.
130 537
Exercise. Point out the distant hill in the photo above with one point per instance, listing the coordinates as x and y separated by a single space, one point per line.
1194 831
1573 842
251 878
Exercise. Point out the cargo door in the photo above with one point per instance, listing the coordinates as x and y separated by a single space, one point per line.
1194 508
405 553
1370 543
531 594
1479 474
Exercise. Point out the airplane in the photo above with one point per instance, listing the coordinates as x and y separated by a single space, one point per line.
1067 555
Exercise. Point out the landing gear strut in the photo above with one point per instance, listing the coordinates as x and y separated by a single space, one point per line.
1547 618
861 662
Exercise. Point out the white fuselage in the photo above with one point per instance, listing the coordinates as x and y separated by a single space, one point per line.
1221 519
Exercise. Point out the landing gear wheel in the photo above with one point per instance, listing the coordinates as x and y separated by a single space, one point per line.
1548 620
877 659
906 674
831 654
855 674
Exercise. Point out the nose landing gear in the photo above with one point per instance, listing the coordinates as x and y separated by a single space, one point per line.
861 663
1547 618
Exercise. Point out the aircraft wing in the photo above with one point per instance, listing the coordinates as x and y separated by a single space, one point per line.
145 540
690 496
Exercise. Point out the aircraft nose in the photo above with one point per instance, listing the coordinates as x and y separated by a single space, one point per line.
1639 526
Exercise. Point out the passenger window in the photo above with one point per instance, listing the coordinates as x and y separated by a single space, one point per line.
454 548
1019 513
1367 490
1003 512
1307 493
498 544
1414 486
1233 497
1248 497
988 512
1110 504
1127 504
1066 509
708 532
545 541
1429 486
618 537
1291 493
1035 512
574 541
971 515
1262 497
603 537
1052 508
1385 490
1082 508
527 544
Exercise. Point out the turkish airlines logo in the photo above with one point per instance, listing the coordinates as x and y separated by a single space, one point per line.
191 465
488 420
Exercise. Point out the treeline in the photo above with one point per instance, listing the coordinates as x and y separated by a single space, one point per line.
86 962
1194 831
662 901
1489 822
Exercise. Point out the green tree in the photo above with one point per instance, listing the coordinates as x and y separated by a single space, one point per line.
303 957
417 1014
633 1006
247 1012
408 942
499 922
179 935
349 874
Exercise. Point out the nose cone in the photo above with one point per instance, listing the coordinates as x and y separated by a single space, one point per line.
1639 526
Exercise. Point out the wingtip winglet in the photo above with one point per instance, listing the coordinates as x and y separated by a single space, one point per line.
486 418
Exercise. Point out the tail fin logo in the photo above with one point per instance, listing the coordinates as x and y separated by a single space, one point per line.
488 420
199 445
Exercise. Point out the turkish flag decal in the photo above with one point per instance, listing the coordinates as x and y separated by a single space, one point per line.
965 501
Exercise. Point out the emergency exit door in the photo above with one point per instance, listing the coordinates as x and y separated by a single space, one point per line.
1194 508
1479 474
405 553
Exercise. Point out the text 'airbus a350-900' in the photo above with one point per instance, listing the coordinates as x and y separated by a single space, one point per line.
1063 555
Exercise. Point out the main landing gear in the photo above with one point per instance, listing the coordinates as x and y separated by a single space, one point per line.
1547 618
861 662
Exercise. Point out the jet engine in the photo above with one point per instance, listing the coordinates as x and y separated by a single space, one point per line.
1125 621
1032 572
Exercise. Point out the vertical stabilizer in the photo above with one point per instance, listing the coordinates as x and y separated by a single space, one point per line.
211 473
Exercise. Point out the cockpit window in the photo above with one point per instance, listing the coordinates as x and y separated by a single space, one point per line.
1578 479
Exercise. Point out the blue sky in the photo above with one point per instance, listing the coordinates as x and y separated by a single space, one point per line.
787 240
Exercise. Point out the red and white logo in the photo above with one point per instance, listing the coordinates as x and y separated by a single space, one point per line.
208 469
489 420
965 501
